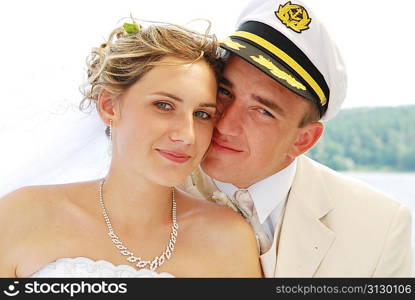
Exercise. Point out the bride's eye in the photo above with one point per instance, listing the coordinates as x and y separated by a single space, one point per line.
203 115
163 105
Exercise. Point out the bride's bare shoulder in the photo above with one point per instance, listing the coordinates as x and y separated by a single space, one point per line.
212 218
31 206
224 234
33 199
31 213
24 201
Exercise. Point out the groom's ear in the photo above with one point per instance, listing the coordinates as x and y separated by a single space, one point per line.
107 106
306 138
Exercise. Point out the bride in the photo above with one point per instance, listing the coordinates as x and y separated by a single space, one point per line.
155 89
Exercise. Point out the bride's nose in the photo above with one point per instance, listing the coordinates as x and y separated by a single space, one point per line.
183 130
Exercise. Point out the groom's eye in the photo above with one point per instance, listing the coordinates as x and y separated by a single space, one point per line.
224 91
265 112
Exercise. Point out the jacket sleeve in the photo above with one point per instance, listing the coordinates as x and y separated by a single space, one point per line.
396 257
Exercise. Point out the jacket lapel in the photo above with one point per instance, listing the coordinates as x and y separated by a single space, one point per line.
304 239
269 258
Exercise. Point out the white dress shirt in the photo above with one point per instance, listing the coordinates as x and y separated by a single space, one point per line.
269 196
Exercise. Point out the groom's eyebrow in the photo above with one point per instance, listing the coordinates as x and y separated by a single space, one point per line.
226 82
268 103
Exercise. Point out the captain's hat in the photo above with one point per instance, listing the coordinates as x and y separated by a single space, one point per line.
287 42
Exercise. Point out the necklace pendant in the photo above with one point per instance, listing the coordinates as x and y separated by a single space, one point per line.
154 264
137 261
143 263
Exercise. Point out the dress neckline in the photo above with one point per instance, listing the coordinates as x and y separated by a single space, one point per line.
101 263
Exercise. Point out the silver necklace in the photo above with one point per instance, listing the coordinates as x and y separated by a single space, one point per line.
138 261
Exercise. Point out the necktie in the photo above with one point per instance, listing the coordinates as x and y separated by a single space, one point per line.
246 206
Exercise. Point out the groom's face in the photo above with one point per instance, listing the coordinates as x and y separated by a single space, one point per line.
259 129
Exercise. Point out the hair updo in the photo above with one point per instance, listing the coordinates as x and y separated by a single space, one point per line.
121 61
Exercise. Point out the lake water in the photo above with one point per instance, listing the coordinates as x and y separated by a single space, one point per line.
400 186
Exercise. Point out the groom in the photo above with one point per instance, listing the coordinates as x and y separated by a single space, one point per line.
283 76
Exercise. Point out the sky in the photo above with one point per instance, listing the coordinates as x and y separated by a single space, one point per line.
44 44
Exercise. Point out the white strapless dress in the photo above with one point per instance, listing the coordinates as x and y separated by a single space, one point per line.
85 267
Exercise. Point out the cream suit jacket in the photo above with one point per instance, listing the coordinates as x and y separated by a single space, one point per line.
333 226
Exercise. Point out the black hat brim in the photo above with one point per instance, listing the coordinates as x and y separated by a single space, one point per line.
272 67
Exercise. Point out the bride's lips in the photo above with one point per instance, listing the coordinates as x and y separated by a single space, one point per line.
174 156
222 146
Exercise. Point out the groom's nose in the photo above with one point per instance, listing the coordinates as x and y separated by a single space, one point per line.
230 122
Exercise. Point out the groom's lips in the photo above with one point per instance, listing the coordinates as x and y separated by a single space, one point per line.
224 147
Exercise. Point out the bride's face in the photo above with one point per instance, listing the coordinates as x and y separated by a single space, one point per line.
166 121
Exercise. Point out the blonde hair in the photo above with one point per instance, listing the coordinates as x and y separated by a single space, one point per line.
121 61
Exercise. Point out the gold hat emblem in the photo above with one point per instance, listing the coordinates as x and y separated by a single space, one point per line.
293 16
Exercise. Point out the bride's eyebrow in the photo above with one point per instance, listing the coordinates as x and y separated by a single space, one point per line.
168 95
207 104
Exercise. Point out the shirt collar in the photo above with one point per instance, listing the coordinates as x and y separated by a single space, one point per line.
268 193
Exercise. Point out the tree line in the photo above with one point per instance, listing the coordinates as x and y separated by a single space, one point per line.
369 138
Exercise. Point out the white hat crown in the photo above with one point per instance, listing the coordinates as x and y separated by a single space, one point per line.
310 36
